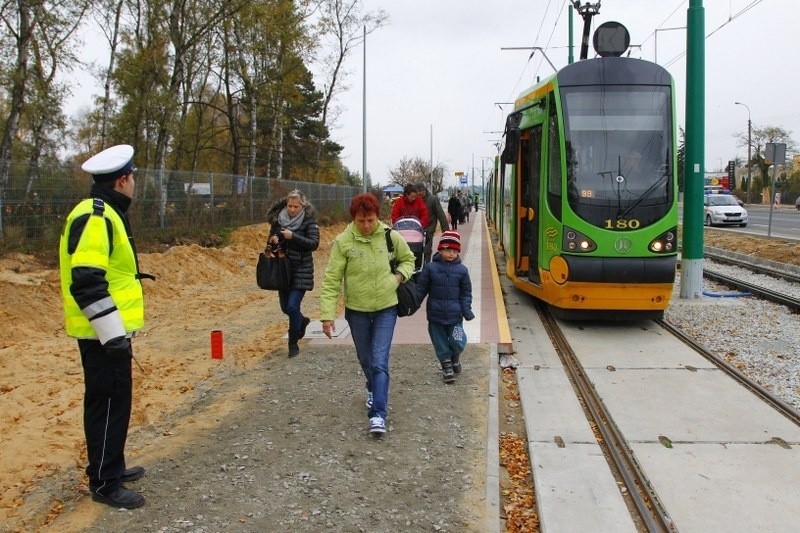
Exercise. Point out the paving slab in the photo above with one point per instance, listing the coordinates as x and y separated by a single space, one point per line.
730 488
704 406
575 490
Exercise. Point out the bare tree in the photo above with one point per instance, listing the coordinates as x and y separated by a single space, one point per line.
343 25
418 170
108 14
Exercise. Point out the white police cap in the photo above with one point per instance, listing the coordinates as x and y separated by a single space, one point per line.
111 163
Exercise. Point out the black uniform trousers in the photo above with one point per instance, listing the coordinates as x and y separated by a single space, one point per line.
106 414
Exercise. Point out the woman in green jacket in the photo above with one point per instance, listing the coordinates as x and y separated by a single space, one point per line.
360 259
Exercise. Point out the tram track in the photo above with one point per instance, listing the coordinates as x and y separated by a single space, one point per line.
755 289
778 271
645 505
650 511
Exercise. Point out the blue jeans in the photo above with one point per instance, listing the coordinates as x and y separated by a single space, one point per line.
290 305
372 334
448 342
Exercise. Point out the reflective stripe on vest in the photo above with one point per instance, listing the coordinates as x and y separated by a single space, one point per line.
93 251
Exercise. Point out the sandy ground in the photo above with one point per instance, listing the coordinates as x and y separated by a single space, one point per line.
41 382
197 290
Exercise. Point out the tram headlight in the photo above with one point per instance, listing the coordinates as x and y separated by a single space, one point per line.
664 243
575 241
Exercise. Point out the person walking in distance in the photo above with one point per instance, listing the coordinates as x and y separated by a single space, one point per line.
446 283
454 211
435 214
294 229
359 266
104 307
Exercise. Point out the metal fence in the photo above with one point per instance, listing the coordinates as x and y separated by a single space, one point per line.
35 202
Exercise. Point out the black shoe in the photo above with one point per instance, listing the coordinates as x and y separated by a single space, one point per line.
447 371
456 364
122 497
294 350
132 474
305 323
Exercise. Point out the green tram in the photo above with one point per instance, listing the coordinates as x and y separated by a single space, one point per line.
584 194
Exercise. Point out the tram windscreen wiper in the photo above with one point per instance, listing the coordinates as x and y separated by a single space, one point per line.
644 195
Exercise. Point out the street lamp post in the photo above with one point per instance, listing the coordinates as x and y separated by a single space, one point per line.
749 147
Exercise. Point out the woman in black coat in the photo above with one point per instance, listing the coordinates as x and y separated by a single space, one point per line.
293 228
454 210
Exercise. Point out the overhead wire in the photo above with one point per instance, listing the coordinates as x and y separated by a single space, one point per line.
731 18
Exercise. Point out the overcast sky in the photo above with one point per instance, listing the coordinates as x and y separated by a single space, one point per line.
438 65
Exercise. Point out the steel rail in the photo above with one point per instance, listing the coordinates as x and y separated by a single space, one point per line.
651 511
742 261
761 292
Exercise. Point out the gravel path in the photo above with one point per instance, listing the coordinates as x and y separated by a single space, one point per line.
296 456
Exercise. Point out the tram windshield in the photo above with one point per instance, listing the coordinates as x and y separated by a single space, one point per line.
618 149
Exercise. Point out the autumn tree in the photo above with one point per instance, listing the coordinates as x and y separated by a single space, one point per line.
760 137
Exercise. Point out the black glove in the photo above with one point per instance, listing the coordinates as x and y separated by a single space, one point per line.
119 347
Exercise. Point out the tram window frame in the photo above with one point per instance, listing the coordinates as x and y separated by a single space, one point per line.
555 174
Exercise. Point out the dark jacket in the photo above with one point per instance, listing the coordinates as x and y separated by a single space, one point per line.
305 240
454 207
449 290
435 213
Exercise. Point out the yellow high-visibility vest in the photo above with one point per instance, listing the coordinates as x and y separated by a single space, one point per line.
120 266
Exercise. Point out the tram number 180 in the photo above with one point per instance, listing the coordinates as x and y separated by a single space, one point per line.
622 224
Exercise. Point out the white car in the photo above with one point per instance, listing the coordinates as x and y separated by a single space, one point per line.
724 210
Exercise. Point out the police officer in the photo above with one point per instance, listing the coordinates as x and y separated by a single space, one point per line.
103 307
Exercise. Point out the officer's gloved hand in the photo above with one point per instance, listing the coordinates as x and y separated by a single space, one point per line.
119 347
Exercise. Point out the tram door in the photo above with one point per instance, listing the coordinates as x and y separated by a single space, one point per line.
528 212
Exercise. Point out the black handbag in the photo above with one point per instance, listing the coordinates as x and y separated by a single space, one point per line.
407 301
273 271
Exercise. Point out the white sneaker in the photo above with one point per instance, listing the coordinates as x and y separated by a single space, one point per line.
369 400
377 425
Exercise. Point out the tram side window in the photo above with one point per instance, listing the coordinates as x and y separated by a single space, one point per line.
554 175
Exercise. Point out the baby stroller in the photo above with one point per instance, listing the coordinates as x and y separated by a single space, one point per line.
410 228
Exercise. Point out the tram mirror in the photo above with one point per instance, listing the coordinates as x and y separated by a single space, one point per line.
509 155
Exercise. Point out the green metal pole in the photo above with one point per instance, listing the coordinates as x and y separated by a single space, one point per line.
692 250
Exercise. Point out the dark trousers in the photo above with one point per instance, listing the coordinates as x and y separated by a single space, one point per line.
290 306
106 414
428 250
454 219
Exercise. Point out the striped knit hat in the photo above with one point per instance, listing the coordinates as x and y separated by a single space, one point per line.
450 240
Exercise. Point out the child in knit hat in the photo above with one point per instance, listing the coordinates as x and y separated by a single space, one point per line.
445 280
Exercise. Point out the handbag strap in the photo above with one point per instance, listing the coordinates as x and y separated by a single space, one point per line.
390 247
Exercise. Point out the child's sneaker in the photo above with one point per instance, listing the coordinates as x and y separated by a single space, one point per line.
377 425
448 376
456 365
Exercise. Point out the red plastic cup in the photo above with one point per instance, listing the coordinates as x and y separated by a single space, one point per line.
216 344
